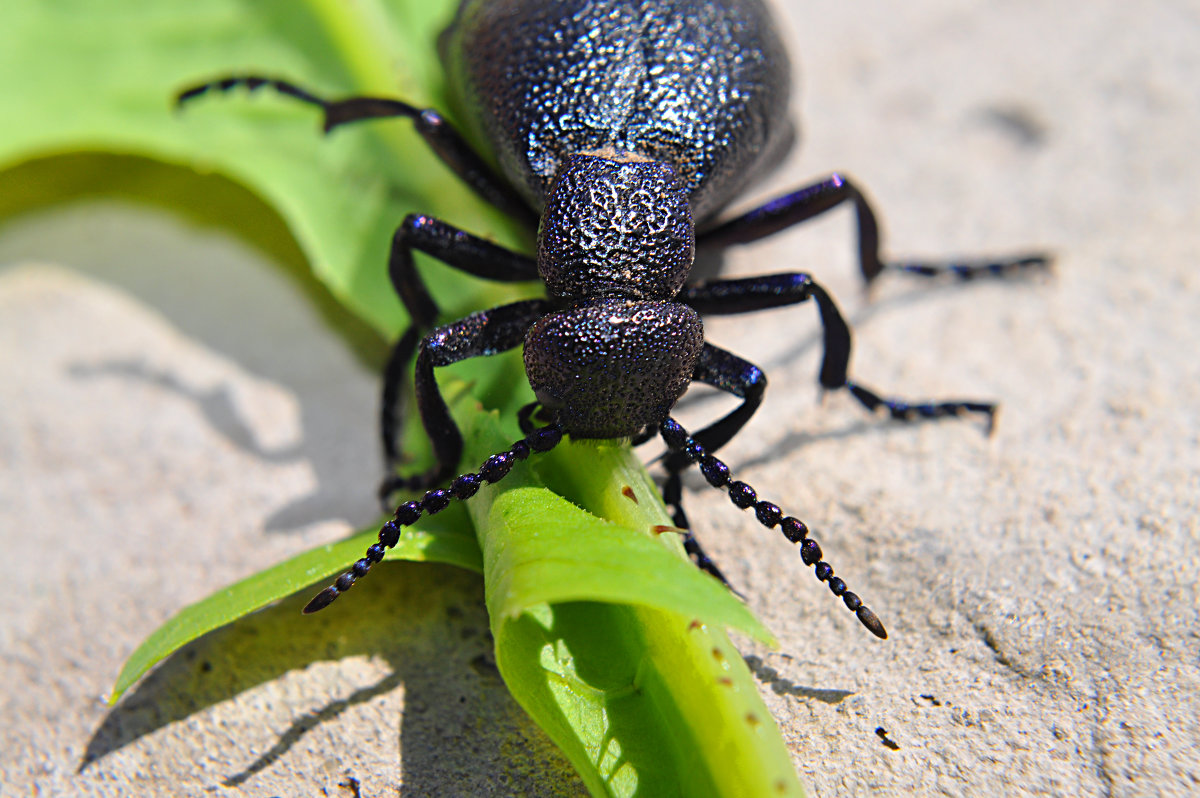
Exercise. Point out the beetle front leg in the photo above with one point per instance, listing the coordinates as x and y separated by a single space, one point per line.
486 333
827 194
733 375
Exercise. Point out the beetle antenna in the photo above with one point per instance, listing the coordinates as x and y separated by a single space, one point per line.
770 516
494 469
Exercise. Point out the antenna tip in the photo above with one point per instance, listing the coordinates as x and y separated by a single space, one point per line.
325 598
868 618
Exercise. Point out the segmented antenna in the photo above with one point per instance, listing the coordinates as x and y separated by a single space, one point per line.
769 515
494 469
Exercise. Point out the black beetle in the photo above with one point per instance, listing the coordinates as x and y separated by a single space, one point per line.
621 129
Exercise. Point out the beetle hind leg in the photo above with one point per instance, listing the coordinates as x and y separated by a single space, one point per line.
445 141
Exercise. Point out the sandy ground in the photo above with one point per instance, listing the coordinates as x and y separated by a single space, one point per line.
162 434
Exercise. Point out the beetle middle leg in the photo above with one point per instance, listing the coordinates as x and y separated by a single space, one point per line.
458 250
827 194
446 142
721 297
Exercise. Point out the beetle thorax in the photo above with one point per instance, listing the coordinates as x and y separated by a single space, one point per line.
616 243
616 226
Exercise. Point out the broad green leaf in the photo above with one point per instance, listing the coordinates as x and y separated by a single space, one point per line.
543 549
100 75
438 539
613 641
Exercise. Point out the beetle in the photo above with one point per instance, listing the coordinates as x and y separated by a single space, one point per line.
620 130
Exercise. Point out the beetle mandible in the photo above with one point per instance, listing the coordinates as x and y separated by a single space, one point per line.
621 128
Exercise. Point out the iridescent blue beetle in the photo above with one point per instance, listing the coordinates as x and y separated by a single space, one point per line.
621 128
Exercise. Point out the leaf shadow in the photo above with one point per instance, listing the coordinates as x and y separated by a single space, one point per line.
220 411
435 643
208 237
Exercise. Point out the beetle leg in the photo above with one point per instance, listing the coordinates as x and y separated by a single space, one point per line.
531 412
458 250
736 376
440 135
673 497
827 194
720 297
488 332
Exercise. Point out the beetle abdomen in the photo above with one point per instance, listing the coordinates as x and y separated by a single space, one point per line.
702 86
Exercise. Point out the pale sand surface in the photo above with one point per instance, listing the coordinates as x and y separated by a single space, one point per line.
175 414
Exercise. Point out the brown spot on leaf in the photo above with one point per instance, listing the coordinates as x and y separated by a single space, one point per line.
628 493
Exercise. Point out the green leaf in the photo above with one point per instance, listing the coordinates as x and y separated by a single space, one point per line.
612 640
100 76
543 549
438 539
